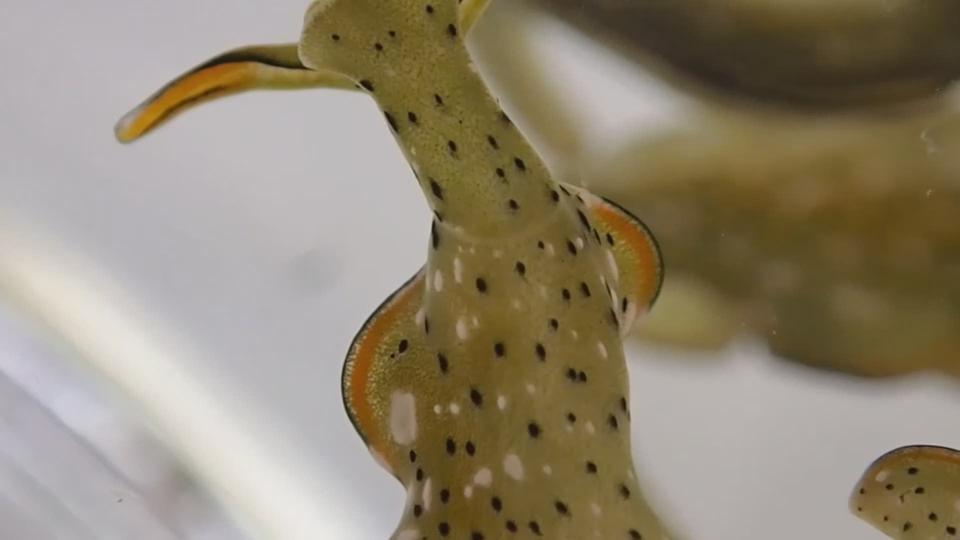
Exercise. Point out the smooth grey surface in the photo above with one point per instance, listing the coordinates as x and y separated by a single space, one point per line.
267 227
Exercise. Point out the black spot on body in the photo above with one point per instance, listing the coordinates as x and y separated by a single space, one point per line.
451 446
417 510
585 289
493 142
541 352
452 30
481 285
444 495
499 349
583 219
434 235
443 363
412 117
571 247
429 9
624 491
496 504
533 429
511 526
437 99
535 528
561 508
470 448
520 268
521 166
476 397
404 345
436 189
367 85
335 37
514 205
443 528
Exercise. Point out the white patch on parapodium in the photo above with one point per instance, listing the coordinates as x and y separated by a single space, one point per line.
409 534
612 261
458 270
629 318
468 491
579 242
882 475
602 349
574 334
475 321
427 494
590 428
454 409
420 317
547 470
438 408
403 418
513 466
438 281
382 461
501 402
483 478
551 251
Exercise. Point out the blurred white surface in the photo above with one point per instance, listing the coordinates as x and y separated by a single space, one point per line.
263 229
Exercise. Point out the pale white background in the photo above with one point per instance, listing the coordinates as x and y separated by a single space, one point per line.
265 228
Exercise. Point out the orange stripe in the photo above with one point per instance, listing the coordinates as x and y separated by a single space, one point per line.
215 80
644 249
366 354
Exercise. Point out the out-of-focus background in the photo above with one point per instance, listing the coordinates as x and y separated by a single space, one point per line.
174 314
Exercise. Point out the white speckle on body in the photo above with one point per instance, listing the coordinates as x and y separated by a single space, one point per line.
427 494
438 281
882 475
551 251
483 478
458 270
454 409
497 254
579 242
468 491
475 321
531 389
438 408
574 334
403 418
547 470
590 429
501 402
462 331
516 304
595 509
602 349
513 466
